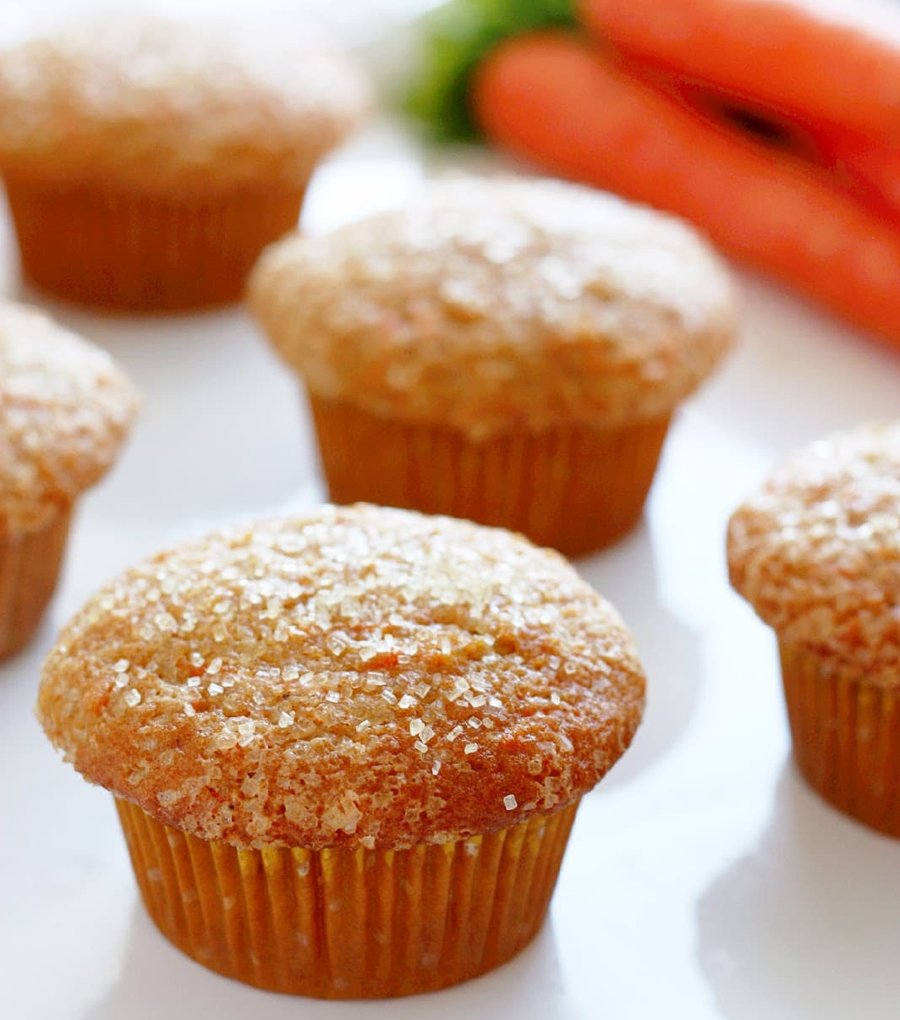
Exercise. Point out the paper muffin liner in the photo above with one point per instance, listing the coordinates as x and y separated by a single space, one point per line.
576 489
349 923
846 736
29 567
119 249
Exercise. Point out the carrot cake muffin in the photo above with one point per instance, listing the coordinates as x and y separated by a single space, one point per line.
347 748
65 409
147 162
505 350
816 551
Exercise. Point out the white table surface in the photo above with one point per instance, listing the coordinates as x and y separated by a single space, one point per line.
703 879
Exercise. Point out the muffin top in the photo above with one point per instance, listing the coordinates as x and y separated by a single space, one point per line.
65 409
156 104
489 304
817 551
358 676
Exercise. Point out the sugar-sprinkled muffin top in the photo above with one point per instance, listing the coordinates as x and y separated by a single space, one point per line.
817 550
490 303
65 408
161 104
358 675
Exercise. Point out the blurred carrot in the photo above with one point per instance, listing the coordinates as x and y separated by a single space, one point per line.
563 104
865 168
871 171
805 61
795 66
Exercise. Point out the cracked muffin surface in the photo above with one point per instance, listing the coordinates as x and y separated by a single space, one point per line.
357 675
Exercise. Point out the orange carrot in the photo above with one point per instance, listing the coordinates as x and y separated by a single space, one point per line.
806 60
866 168
837 79
871 170
561 103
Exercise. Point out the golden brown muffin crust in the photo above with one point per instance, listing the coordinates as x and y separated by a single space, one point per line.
65 408
160 105
817 551
490 304
357 676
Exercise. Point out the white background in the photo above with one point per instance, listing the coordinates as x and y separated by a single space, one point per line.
703 878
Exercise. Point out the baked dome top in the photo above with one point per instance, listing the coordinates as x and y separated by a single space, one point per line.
357 675
162 104
817 550
485 303
65 408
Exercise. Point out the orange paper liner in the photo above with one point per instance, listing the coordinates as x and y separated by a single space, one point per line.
143 252
846 735
576 489
29 568
349 923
